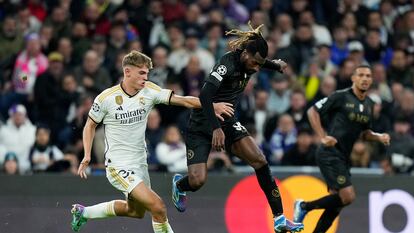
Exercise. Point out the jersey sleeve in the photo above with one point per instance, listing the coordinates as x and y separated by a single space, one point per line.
160 95
328 104
221 70
98 109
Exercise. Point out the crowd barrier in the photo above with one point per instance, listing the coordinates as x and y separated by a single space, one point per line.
230 203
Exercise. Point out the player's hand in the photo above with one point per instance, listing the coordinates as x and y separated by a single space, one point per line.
218 139
385 139
223 108
283 64
83 166
329 141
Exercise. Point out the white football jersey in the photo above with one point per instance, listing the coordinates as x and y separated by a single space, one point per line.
125 120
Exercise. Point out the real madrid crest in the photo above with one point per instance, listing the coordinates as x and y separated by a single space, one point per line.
361 107
119 100
142 100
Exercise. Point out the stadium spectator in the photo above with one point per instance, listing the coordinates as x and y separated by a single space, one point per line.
65 47
11 40
18 135
10 164
171 150
43 153
279 97
30 63
303 151
401 151
153 136
400 70
379 74
298 108
162 72
339 48
92 77
178 59
47 91
192 77
283 139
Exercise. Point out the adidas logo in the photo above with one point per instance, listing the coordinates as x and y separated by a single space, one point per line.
120 108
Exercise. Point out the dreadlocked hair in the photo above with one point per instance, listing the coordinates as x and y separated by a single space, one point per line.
244 36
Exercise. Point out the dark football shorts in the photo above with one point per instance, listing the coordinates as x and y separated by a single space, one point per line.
334 167
199 142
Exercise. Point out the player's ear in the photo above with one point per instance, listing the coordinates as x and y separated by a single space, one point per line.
353 76
127 71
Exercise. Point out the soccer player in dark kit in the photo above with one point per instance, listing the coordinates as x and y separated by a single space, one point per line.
347 115
226 83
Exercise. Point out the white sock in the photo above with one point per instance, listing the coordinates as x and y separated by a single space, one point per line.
161 227
101 210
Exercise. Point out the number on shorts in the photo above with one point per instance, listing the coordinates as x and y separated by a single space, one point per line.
125 173
239 127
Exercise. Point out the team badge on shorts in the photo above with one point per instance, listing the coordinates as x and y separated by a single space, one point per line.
275 193
119 100
341 179
222 70
130 179
190 154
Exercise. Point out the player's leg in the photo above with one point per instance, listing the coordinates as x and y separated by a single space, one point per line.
246 149
198 148
327 217
81 214
129 208
148 199
337 176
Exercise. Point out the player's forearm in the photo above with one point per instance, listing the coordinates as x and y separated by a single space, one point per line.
371 136
315 121
206 99
185 101
192 102
88 135
272 65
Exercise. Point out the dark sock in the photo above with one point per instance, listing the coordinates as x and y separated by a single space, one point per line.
326 220
184 185
332 201
269 187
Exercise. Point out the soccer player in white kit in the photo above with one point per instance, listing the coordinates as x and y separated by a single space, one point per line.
123 110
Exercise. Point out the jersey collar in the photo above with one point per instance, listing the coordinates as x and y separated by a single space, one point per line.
122 89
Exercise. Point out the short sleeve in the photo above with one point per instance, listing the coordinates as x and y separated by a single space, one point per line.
98 110
160 95
221 70
328 104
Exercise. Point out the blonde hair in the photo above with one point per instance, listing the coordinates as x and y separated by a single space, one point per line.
138 59
244 36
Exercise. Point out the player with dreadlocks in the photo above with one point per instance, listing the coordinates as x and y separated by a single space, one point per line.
226 83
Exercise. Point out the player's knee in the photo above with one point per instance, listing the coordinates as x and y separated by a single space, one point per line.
197 180
159 210
348 198
131 212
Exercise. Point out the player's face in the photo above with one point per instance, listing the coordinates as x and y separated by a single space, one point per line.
252 65
136 76
362 78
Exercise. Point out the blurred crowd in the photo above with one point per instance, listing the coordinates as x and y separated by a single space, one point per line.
56 56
